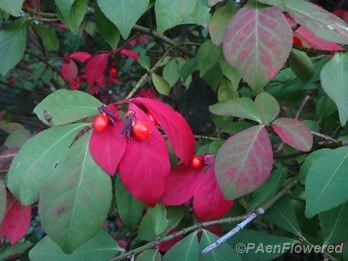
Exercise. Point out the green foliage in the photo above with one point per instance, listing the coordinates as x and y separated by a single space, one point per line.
187 249
12 7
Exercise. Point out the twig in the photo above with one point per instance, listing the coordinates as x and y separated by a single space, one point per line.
203 137
259 211
302 105
21 88
8 156
325 137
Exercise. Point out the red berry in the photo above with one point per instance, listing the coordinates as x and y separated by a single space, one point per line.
26 4
152 119
100 122
197 162
112 72
141 130
297 41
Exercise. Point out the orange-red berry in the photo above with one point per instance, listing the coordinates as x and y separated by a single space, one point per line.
141 130
100 122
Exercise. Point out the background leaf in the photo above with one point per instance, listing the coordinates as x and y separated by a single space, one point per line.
95 68
76 198
36 161
301 65
257 43
17 138
278 3
323 24
12 44
326 182
123 13
170 13
201 13
294 133
267 106
129 209
185 250
12 7
334 225
240 107
244 162
67 106
282 214
334 80
222 253
100 247
161 85
17 249
219 22
3 200
207 56
48 36
154 223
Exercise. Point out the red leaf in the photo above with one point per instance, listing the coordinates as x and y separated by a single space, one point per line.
107 147
69 71
181 185
95 68
174 125
294 133
16 221
316 42
80 56
257 43
130 54
208 200
244 162
145 166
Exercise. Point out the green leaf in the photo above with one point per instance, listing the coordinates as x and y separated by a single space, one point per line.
123 13
36 161
268 189
322 23
226 91
310 159
66 106
170 13
207 56
185 250
283 215
171 72
334 225
240 107
221 253
268 107
17 138
230 73
129 209
100 247
253 244
75 200
3 200
154 223
201 13
144 62
11 7
48 36
107 30
12 44
334 80
301 65
188 68
72 12
17 249
326 182
149 255
174 216
161 85
219 22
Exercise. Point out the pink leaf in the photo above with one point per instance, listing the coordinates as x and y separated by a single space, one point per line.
257 43
180 186
69 71
208 200
315 42
294 133
107 147
174 125
80 56
244 162
95 68
145 166
16 221
130 54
